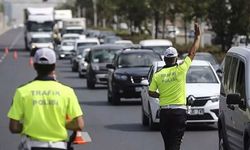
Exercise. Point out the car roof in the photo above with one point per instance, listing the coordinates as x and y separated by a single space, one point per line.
243 51
108 46
68 41
124 41
70 35
87 40
137 51
156 42
199 53
194 63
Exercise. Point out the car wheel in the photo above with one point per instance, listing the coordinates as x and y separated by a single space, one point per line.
109 95
248 145
151 123
90 84
80 75
115 98
145 119
222 144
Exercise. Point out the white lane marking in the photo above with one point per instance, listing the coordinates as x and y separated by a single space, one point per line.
16 40
12 45
2 58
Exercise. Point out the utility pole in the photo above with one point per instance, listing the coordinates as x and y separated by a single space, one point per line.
95 12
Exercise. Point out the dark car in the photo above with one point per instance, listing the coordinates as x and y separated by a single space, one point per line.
97 58
125 74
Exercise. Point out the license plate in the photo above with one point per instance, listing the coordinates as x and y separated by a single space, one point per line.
196 111
138 89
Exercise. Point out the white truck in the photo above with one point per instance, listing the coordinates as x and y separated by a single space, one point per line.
74 25
37 20
60 15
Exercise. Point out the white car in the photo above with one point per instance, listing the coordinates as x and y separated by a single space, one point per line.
84 43
125 42
158 45
41 40
66 49
70 36
82 64
203 87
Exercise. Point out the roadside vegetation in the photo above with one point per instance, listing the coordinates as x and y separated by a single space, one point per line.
225 18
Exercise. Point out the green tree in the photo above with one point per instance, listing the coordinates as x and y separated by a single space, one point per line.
219 15
106 9
136 11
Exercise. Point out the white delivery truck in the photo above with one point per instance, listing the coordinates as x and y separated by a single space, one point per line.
60 15
37 20
74 25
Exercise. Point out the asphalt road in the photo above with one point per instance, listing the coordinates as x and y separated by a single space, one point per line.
110 127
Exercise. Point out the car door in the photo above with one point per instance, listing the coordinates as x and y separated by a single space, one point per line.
228 83
144 92
239 116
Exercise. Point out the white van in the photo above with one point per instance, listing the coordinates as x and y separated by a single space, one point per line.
158 45
234 112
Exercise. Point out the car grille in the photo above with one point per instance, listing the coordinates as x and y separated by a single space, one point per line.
206 116
136 79
200 101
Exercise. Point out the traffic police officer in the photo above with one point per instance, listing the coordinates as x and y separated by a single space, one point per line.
170 81
40 107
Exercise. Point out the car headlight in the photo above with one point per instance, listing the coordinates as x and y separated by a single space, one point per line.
215 98
33 46
51 46
120 77
95 67
83 62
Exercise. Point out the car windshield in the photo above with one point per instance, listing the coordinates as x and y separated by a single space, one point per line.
103 55
201 74
137 59
86 44
78 31
83 53
205 57
208 58
158 49
68 43
41 40
71 38
40 27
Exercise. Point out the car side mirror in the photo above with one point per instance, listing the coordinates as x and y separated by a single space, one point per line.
145 82
110 66
219 73
233 99
87 59
79 56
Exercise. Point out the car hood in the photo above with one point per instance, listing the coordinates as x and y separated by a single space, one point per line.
135 71
102 66
41 45
203 89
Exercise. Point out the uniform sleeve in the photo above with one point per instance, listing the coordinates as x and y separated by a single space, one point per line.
184 66
74 109
153 84
16 110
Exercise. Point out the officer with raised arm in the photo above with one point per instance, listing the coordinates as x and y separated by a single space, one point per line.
170 82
